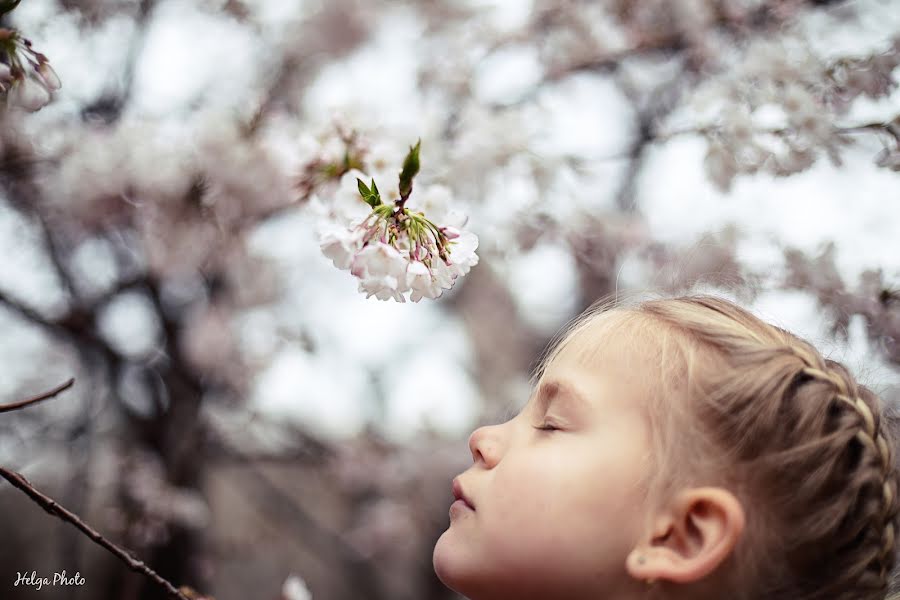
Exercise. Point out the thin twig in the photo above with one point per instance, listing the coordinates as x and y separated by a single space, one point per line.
52 507
39 398
891 127
888 127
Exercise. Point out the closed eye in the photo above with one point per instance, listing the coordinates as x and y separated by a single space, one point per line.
547 427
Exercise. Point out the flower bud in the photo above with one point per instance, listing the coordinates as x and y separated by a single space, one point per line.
450 232
49 77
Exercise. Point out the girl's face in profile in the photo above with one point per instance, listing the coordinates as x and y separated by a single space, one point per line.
556 490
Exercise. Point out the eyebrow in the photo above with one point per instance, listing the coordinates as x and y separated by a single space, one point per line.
551 391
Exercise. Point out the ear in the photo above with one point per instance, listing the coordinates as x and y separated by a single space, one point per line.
690 538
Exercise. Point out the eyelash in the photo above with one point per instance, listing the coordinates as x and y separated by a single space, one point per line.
547 427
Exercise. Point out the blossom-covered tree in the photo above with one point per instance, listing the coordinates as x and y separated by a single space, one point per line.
179 186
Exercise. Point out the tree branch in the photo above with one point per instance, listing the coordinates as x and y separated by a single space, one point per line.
891 127
53 508
29 314
362 572
39 398
58 255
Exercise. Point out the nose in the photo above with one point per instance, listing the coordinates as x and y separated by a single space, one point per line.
486 445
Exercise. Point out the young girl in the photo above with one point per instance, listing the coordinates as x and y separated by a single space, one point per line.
679 449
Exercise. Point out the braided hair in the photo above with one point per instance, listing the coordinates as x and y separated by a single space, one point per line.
806 448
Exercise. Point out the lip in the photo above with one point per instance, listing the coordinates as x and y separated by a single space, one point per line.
459 494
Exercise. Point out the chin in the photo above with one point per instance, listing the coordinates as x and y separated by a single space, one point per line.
441 560
448 562
462 571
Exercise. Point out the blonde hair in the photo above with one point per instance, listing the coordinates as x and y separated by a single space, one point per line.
807 450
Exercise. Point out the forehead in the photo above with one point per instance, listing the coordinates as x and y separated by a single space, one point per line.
612 336
610 352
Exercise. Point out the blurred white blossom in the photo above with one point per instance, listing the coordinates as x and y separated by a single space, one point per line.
777 110
294 588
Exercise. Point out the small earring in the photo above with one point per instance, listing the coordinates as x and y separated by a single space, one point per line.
641 561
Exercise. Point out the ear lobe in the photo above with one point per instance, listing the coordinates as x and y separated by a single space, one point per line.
692 538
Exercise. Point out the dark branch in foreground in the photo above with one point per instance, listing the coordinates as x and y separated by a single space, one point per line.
39 398
52 507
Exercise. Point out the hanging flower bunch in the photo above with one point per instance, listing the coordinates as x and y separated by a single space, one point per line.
26 77
396 250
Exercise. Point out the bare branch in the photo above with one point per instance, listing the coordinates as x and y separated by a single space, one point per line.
890 127
26 312
39 398
122 285
277 500
109 106
53 508
58 255
611 61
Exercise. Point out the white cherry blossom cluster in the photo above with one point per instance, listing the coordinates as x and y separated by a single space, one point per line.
410 248
26 77
776 109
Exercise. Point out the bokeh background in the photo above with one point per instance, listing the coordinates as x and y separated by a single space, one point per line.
241 413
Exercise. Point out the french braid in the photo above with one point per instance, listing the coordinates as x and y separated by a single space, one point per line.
872 438
809 451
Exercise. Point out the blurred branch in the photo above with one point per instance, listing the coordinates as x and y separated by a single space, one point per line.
671 42
142 19
304 447
292 457
53 508
39 398
122 285
57 256
891 127
109 107
27 313
279 501
659 104
612 60
22 194
875 299
637 153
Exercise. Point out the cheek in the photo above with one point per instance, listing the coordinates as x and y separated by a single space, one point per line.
548 496
544 518
541 496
